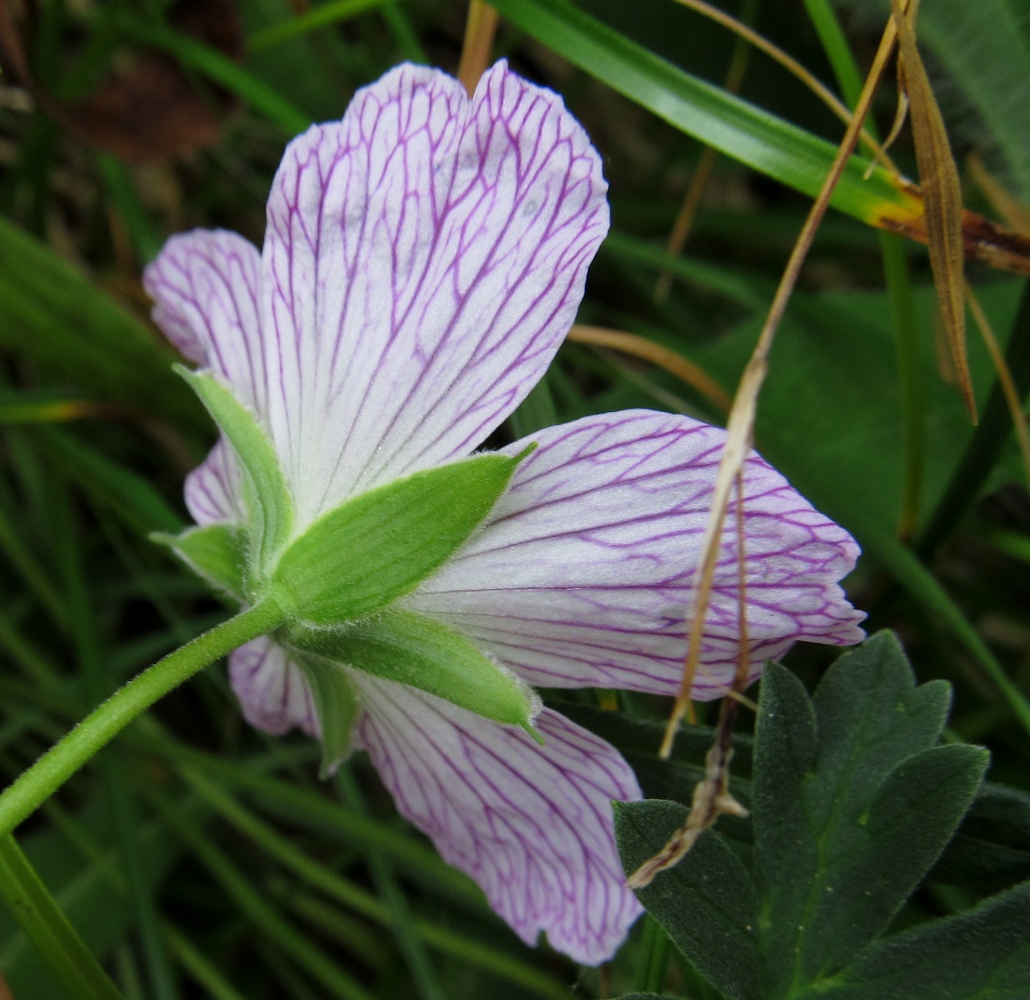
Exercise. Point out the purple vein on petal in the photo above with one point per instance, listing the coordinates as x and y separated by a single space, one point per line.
583 573
531 824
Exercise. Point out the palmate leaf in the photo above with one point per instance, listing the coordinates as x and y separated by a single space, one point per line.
983 954
853 802
707 904
852 805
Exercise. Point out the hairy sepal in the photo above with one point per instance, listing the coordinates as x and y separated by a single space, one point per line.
217 553
265 492
362 556
412 649
336 704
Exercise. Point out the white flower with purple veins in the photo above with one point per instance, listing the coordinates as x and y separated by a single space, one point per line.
424 259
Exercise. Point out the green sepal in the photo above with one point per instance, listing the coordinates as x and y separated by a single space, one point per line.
336 704
364 554
265 492
423 653
217 553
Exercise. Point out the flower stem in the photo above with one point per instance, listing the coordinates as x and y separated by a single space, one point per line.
53 769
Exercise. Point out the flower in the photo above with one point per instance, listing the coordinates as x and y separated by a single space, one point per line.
424 258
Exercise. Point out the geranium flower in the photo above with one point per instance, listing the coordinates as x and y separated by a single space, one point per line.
424 258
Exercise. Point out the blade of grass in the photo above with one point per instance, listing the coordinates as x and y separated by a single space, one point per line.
942 197
319 877
203 971
323 16
404 34
203 59
985 446
48 928
114 772
145 240
258 910
423 974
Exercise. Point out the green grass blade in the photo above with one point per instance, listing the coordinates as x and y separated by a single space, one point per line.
734 127
49 929
422 972
337 983
222 70
322 16
988 440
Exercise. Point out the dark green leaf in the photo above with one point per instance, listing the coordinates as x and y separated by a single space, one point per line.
991 850
982 954
707 904
365 554
852 806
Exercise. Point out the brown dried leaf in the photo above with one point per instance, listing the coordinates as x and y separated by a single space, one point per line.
942 196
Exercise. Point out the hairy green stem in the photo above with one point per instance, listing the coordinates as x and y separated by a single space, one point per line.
55 767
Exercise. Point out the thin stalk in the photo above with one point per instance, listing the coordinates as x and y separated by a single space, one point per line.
908 352
48 928
55 767
740 428
480 29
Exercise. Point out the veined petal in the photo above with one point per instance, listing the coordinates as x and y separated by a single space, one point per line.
531 824
274 693
213 490
582 574
423 260
206 287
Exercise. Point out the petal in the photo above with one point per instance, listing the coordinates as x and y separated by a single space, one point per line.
213 491
582 575
423 260
531 824
273 692
206 289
